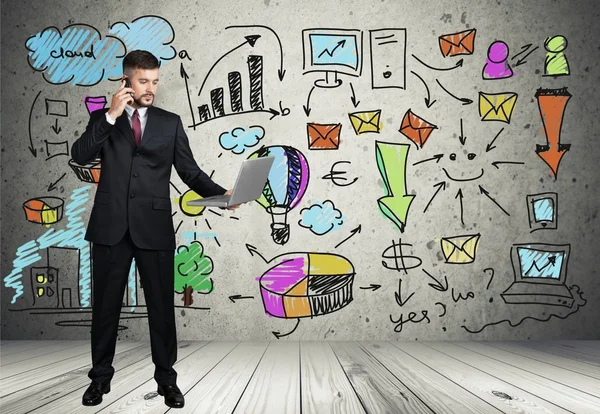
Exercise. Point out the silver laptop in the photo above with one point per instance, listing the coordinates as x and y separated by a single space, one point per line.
249 185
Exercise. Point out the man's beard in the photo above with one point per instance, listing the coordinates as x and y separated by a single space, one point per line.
141 103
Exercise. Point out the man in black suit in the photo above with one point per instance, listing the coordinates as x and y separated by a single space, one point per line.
137 144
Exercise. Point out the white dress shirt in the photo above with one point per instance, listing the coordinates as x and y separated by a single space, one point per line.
142 112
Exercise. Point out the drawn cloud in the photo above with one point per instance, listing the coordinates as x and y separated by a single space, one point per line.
321 218
78 55
240 138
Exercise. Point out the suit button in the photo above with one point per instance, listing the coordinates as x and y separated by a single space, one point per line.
135 175
131 196
137 153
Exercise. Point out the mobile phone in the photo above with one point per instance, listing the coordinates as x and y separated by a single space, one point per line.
128 85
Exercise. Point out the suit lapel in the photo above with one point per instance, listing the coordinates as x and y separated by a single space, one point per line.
152 124
122 124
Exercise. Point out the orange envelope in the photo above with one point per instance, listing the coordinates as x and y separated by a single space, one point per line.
323 136
416 129
461 43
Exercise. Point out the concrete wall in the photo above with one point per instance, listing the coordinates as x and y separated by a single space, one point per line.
412 223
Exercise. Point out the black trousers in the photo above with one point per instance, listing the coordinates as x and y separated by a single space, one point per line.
111 265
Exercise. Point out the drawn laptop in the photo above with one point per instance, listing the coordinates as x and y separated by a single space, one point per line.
249 185
540 272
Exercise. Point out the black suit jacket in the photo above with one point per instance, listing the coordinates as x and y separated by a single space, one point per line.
134 182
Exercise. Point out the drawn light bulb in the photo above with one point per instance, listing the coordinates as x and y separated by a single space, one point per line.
285 186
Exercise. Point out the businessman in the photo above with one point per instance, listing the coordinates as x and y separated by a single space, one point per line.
137 144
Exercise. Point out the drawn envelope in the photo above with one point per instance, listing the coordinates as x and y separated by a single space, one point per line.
460 249
415 128
365 121
323 136
497 106
461 43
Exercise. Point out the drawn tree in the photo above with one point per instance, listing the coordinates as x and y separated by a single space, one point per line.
192 270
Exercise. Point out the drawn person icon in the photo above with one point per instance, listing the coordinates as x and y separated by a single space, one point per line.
496 65
556 63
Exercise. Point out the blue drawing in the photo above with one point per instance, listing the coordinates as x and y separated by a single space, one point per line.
539 263
239 139
327 49
321 218
543 211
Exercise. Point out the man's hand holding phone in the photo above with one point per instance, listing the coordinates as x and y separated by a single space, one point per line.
122 97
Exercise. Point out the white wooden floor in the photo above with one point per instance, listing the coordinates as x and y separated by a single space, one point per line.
283 377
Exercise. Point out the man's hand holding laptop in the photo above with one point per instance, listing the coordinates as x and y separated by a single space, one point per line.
235 206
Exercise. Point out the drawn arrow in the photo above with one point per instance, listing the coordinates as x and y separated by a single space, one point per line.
352 233
353 97
428 101
251 40
391 162
31 149
253 251
490 146
279 335
495 163
460 194
437 285
458 64
462 137
56 128
373 287
233 297
185 77
552 104
280 71
307 106
399 294
525 48
440 186
465 101
341 43
52 186
487 194
436 157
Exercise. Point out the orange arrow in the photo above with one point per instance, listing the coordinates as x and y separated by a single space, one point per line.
552 104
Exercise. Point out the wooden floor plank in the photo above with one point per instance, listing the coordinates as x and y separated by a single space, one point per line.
275 386
66 390
584 347
47 350
23 346
324 385
434 390
567 378
549 348
41 360
560 362
558 394
126 380
485 386
378 390
49 370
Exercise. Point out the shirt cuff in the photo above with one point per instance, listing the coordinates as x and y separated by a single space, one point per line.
109 119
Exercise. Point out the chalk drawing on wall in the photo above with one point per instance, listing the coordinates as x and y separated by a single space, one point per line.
239 139
285 187
428 102
338 176
305 285
556 63
321 218
542 210
192 272
416 128
333 52
395 258
463 101
366 121
392 162
94 103
526 51
496 64
88 173
461 43
44 210
460 249
323 136
388 58
552 104
497 106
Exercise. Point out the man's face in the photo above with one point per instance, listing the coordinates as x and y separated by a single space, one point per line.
145 83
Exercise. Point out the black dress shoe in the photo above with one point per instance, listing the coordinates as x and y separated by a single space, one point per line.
93 394
173 396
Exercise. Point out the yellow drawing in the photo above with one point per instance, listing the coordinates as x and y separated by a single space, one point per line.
460 249
497 106
363 122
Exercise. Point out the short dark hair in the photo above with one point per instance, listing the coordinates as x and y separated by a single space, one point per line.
141 59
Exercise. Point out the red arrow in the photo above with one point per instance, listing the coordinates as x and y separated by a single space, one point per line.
552 104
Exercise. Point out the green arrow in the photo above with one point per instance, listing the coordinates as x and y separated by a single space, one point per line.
391 162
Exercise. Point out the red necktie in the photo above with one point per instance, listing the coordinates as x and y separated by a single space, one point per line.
137 128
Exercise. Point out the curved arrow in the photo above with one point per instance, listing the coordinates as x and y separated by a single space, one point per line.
465 101
33 150
352 233
279 335
251 40
459 63
252 250
281 71
307 106
427 100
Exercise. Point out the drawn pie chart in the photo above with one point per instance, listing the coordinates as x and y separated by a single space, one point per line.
307 284
44 210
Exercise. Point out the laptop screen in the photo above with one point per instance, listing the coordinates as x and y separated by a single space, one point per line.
538 263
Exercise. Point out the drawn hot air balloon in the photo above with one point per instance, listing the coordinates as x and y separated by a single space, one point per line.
285 186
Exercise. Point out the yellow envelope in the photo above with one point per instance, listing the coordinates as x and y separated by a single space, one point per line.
460 249
497 106
365 121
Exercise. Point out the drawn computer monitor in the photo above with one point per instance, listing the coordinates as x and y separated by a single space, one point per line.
332 51
540 263
542 209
